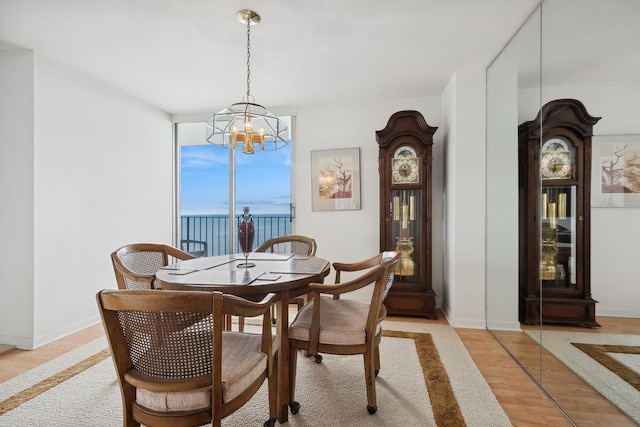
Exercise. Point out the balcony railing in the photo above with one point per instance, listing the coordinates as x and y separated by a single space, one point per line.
214 230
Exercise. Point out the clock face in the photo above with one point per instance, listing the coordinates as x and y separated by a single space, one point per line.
556 165
404 170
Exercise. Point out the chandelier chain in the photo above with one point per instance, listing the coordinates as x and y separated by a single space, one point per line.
246 124
248 58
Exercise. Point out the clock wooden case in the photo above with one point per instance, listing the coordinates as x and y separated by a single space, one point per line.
555 215
404 163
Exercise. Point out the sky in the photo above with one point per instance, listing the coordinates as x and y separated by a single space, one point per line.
263 181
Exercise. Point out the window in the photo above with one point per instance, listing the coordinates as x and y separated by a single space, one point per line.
211 181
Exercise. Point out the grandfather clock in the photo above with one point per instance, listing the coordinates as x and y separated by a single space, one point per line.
404 163
555 215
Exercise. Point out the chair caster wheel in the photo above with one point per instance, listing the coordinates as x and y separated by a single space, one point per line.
294 407
271 422
273 321
372 409
318 358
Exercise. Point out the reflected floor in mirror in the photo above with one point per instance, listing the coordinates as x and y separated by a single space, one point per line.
584 405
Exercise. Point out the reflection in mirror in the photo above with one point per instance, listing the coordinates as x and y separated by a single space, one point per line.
587 50
590 52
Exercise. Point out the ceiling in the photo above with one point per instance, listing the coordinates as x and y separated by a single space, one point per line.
189 56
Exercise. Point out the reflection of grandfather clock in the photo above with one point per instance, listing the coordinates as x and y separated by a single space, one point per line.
555 202
404 163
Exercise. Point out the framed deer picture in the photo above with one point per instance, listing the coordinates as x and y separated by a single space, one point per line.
335 179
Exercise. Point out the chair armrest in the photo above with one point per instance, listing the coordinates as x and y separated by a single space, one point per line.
349 286
177 253
355 266
238 306
264 246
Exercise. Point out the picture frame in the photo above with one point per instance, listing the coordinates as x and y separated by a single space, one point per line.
615 171
335 179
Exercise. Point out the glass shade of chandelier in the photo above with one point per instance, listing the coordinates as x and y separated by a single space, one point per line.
246 123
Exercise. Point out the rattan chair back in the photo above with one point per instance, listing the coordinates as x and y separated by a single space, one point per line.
135 265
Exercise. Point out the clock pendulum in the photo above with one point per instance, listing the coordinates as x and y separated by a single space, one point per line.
404 211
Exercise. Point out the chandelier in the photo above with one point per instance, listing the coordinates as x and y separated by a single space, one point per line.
247 123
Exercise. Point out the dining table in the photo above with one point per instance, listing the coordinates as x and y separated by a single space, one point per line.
252 277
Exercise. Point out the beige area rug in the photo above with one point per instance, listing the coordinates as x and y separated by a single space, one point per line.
80 389
610 363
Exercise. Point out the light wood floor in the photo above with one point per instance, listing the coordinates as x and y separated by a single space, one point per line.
584 405
521 399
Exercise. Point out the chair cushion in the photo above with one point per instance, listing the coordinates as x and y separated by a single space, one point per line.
342 322
242 364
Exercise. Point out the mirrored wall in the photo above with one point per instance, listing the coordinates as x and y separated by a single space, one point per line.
586 50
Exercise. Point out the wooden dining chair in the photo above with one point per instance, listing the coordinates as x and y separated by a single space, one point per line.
343 326
176 366
135 265
290 244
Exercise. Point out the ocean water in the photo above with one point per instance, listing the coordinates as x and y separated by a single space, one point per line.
214 229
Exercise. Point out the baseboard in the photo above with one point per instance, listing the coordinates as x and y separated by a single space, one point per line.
61 333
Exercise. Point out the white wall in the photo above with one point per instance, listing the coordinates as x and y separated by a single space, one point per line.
101 167
464 136
16 196
354 235
102 177
502 198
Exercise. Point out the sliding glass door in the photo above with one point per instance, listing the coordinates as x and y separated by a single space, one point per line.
215 185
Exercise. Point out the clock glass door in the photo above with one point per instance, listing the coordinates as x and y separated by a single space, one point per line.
559 248
405 233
